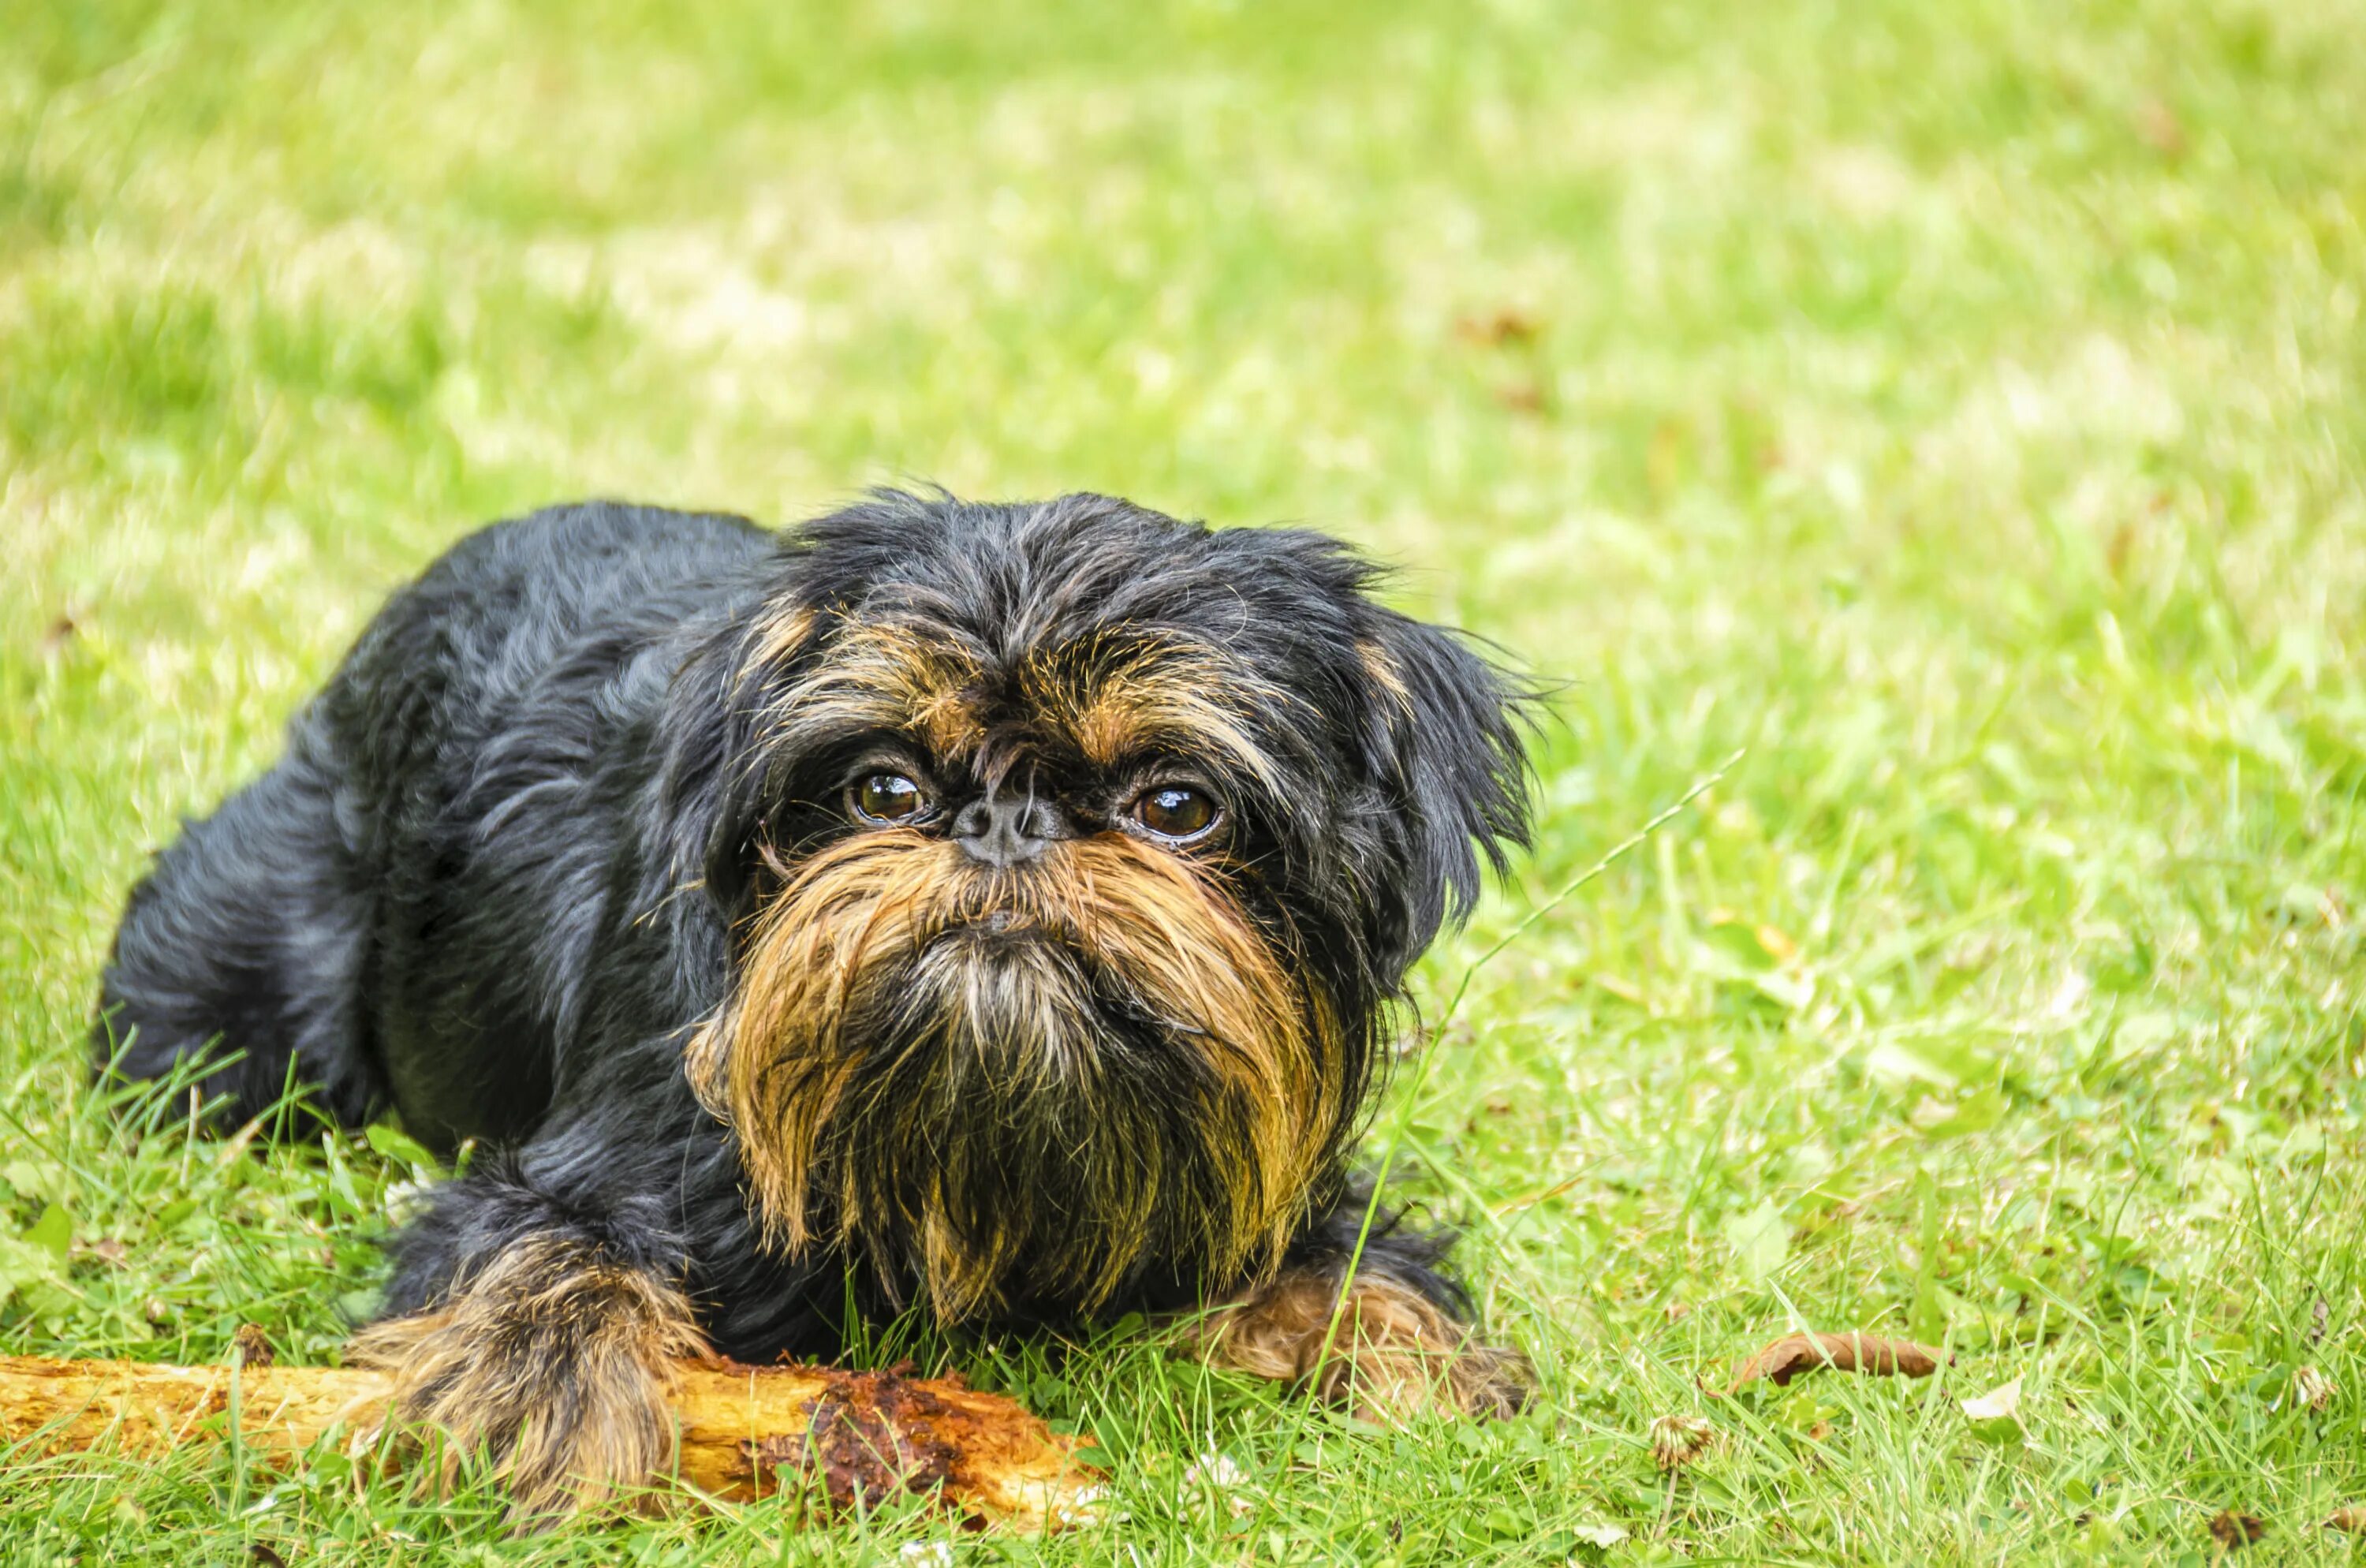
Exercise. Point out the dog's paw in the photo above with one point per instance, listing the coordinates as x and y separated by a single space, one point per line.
1388 1353
551 1363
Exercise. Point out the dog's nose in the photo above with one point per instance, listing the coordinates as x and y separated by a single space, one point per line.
1005 831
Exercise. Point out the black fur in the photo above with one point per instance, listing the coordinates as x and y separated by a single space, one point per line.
499 873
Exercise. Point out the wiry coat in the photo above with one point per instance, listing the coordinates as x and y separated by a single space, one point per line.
516 867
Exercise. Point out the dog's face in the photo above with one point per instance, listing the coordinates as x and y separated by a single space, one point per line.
1073 854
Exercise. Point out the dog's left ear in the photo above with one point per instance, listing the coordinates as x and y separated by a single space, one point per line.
1446 741
716 773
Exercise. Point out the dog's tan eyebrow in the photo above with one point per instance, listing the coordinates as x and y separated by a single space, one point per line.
890 675
1117 703
782 628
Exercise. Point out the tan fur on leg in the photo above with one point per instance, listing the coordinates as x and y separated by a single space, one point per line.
1395 1354
552 1359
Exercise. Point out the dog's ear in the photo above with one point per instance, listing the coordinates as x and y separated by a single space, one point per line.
715 775
1444 743
700 737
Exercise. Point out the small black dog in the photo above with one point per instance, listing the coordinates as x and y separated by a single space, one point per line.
994 909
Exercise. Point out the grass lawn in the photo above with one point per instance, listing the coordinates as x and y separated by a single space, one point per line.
1961 407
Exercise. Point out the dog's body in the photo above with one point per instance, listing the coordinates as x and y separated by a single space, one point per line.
989 906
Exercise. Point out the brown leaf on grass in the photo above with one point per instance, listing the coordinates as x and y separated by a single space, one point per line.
2314 1389
59 632
2233 1532
2161 129
1505 324
2317 1317
1678 1440
2350 1520
1522 397
1797 1353
264 1557
250 1347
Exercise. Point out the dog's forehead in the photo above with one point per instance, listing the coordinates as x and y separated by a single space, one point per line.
1084 626
1106 689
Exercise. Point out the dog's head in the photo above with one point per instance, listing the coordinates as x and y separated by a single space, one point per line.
1073 854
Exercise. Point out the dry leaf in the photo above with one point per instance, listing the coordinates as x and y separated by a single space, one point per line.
249 1347
2314 1389
1797 1353
1996 1404
2316 1321
1507 324
2161 129
2352 1520
2234 1531
1523 396
1678 1440
264 1557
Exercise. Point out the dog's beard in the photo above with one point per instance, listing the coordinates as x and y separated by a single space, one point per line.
1019 1086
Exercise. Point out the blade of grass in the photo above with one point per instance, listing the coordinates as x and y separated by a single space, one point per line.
1462 988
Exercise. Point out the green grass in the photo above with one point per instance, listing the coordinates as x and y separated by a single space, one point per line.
1959 406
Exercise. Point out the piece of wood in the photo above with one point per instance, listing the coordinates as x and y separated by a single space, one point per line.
856 1436
1851 1352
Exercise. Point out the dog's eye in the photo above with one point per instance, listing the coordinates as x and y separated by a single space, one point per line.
886 797
1175 811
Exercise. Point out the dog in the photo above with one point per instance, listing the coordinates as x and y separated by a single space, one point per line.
1000 911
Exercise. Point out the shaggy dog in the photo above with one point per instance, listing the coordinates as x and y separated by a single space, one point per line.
996 910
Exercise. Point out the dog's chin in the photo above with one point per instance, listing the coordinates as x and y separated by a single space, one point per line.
998 1006
1011 941
1020 1132
1019 1101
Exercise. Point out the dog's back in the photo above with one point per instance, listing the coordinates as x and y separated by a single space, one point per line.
293 932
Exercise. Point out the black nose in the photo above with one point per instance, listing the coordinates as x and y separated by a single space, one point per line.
1004 830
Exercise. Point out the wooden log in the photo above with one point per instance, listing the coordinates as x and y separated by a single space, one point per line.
856 1436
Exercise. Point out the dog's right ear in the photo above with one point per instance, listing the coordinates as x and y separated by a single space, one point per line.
718 774
1447 742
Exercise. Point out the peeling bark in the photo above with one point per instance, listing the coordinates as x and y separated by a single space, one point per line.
856 1436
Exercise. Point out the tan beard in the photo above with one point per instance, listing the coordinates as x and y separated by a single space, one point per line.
1019 1084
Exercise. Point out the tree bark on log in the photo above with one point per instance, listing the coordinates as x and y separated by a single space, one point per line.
856 1436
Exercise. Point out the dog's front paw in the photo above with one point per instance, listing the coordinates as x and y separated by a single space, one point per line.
552 1362
1387 1353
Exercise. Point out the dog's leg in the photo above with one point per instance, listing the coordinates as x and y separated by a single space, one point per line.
538 1337
1399 1344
